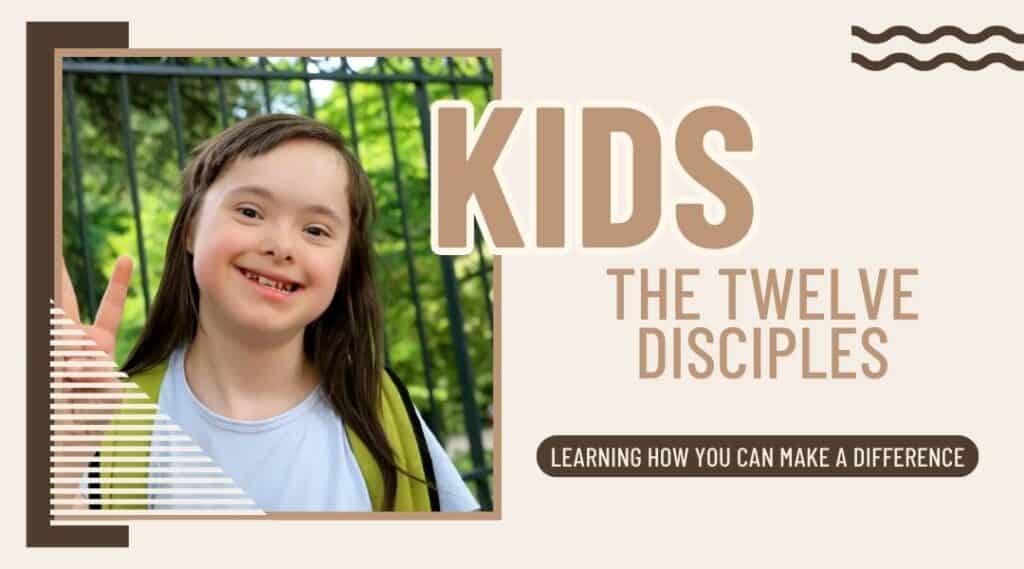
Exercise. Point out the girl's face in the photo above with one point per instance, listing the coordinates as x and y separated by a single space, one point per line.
269 240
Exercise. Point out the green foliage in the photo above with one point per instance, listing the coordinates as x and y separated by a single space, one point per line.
110 229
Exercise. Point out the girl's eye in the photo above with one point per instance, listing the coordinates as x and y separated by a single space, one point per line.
317 231
248 212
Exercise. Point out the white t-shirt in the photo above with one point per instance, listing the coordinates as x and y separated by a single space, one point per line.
299 460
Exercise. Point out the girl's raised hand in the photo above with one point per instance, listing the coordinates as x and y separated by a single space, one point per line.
103 331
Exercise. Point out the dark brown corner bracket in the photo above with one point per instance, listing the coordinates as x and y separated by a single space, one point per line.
42 39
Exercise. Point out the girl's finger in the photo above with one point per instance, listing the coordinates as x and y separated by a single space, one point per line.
108 316
68 301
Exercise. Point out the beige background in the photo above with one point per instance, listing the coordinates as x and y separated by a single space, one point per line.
854 168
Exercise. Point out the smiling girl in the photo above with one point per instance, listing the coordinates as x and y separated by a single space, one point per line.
264 342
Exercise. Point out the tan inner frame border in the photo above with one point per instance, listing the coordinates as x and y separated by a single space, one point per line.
493 54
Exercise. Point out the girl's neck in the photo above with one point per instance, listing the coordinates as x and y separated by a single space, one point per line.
244 378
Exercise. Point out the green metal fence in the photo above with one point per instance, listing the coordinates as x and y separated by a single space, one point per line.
124 101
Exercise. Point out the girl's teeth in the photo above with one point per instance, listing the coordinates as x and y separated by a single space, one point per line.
267 282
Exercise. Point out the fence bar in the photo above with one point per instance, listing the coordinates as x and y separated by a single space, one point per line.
478 473
133 185
387 343
436 418
164 70
76 169
455 320
223 102
489 78
350 106
179 135
478 241
310 105
465 373
482 274
266 86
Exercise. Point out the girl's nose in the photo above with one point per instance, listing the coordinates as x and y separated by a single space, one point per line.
285 256
278 244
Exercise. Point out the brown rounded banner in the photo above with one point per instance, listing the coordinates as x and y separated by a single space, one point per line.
750 455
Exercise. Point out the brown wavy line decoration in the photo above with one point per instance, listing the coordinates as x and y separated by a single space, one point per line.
928 65
939 32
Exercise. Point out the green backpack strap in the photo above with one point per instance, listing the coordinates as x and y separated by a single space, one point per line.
149 382
408 444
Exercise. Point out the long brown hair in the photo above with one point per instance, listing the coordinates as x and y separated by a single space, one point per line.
345 343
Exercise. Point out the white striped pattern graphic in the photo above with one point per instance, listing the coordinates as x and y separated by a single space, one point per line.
170 481
138 470
129 459
155 469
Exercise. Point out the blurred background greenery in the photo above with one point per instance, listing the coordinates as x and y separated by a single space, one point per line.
110 230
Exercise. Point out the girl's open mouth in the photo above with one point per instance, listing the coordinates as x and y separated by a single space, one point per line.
284 287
